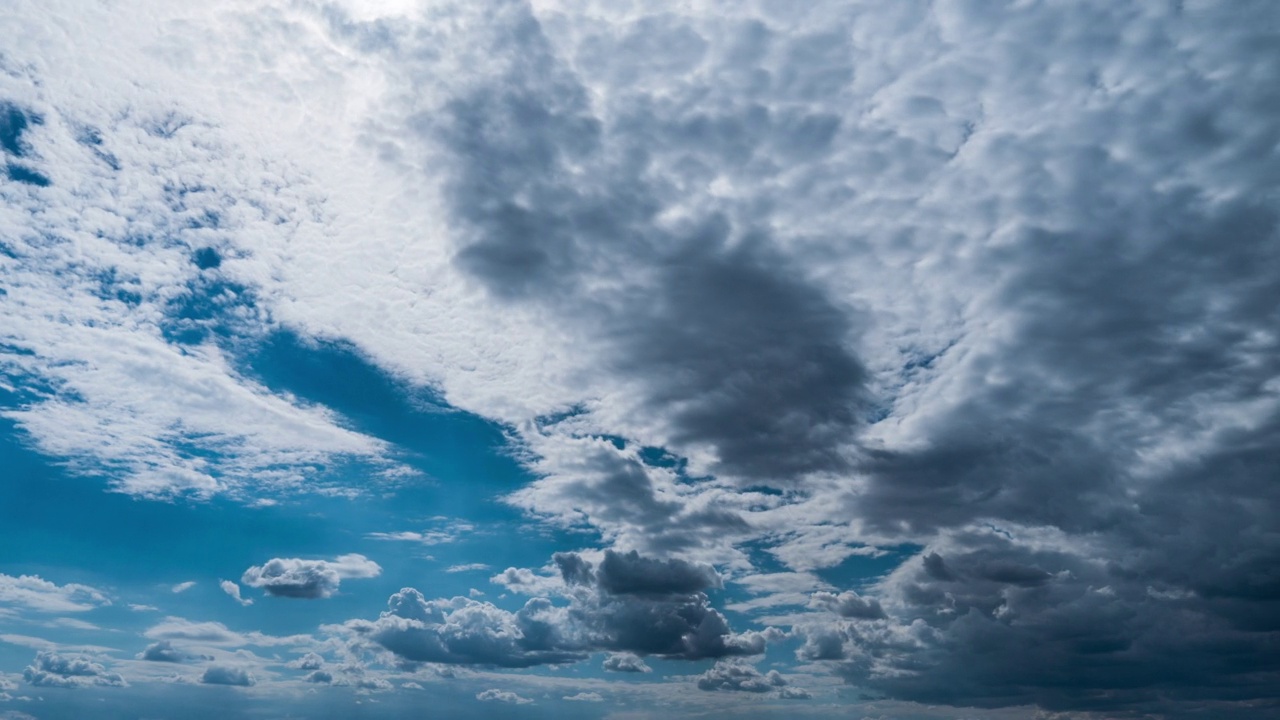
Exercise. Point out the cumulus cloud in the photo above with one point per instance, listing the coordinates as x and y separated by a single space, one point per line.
308 579
991 280
502 696
183 586
163 651
227 675
625 662
50 669
35 593
630 605
733 675
584 697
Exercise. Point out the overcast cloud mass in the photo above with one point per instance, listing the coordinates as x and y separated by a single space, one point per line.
640 359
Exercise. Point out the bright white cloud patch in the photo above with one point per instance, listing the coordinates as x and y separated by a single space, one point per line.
35 593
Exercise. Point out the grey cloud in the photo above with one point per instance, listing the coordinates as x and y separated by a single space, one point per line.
308 579
736 349
729 675
625 662
163 651
635 606
50 669
848 604
630 574
1053 221
227 675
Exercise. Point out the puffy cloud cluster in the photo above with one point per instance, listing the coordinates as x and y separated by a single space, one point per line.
227 675
49 669
628 604
307 579
502 696
730 675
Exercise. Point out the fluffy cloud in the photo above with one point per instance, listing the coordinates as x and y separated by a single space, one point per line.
308 579
232 589
227 675
730 675
503 696
625 662
50 669
628 604
584 697
35 593
163 651
995 280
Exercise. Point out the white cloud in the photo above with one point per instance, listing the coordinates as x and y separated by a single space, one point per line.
308 579
35 593
503 696
183 586
233 590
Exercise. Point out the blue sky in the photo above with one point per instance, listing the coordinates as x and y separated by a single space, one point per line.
620 360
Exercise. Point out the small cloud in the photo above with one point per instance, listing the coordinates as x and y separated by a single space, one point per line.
794 693
183 587
469 567
308 579
495 695
411 686
475 593
143 608
731 675
625 662
227 675
233 590
163 651
585 697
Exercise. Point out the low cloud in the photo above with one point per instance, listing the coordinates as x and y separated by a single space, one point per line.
35 593
734 675
502 696
227 675
50 669
308 579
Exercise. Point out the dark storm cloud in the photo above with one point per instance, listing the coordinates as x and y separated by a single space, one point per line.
736 349
630 574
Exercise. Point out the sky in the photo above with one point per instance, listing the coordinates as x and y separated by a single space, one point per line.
627 359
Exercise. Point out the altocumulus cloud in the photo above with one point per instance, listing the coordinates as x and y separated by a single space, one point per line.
307 579
992 282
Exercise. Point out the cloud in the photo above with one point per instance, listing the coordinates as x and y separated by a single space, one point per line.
625 662
468 567
50 669
632 605
163 651
227 675
176 628
848 604
730 675
584 697
232 589
308 579
502 696
35 593
183 586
